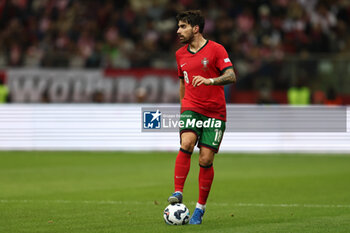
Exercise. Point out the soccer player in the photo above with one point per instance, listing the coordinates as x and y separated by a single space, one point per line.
203 68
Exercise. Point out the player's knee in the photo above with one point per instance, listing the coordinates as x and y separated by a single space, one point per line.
205 161
187 145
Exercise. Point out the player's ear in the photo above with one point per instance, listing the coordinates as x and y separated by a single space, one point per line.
195 29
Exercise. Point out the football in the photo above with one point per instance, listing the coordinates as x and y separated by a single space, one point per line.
176 214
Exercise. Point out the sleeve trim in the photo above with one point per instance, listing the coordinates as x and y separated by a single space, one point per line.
181 77
224 69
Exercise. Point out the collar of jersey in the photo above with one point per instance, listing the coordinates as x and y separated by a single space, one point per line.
188 48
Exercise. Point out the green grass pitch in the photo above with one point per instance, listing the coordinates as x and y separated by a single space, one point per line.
77 192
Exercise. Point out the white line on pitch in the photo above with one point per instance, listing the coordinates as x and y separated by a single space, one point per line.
191 203
292 205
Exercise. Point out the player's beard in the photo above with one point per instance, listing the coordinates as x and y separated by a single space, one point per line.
187 40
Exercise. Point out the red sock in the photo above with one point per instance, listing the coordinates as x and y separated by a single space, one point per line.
182 166
206 176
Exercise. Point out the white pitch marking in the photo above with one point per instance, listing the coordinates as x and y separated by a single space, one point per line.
293 205
108 202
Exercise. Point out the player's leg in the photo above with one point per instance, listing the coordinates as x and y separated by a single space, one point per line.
206 175
209 145
183 159
182 165
205 180
189 137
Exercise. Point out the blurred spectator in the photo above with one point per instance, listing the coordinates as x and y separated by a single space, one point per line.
322 17
265 97
332 97
141 94
134 33
3 92
98 97
318 97
299 94
45 97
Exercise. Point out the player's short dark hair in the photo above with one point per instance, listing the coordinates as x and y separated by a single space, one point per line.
193 18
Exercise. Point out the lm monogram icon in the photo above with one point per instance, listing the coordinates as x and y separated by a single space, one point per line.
152 119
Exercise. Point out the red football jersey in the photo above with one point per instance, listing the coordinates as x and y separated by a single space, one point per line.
209 62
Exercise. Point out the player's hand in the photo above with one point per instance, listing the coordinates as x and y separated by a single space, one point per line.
199 80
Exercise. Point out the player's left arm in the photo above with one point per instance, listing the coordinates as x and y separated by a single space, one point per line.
226 78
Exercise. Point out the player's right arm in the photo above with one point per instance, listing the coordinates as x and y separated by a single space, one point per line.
182 90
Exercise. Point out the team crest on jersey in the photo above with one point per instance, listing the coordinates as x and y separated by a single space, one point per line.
205 63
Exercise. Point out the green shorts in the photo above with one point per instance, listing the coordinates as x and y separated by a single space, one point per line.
209 131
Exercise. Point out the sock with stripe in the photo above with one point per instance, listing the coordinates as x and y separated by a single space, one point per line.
182 167
206 176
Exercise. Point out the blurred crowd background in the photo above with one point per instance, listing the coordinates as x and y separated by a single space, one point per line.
275 45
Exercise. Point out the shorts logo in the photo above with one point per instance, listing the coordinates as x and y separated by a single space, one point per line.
152 120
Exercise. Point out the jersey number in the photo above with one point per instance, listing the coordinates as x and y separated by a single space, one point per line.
186 77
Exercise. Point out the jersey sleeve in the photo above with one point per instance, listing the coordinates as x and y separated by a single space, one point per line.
223 62
179 71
